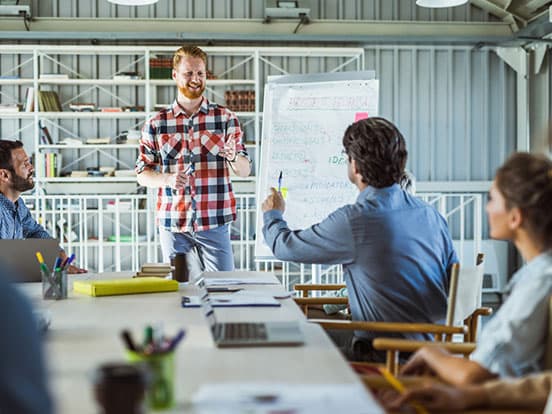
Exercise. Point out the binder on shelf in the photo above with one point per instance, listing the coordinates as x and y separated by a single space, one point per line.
48 101
109 287
45 137
29 99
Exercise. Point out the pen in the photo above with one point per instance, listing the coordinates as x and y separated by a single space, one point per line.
127 339
174 342
57 264
68 261
280 181
43 266
71 258
395 383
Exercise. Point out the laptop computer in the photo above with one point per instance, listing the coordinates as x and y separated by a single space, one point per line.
19 256
242 334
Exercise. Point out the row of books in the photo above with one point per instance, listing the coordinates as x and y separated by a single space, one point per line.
48 101
240 101
91 107
48 164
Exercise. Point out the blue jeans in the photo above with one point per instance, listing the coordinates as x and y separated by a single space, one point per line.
213 247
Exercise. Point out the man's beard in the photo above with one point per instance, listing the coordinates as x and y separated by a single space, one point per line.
192 94
22 184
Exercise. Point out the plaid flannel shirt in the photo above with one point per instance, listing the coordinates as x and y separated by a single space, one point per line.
170 142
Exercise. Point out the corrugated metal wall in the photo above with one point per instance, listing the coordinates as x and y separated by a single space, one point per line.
455 107
254 9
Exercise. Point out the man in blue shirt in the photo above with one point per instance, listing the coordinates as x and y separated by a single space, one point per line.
395 249
16 176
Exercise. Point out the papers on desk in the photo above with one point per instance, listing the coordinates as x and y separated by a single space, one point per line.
239 281
232 300
267 398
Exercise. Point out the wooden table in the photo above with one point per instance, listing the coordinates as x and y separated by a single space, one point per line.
84 333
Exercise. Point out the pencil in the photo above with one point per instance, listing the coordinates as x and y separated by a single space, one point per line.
395 383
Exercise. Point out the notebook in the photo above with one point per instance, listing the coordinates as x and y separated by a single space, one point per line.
20 257
240 334
108 287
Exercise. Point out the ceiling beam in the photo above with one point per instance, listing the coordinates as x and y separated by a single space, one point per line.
348 31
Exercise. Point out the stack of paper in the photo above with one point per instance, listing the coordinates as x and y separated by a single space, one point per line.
241 298
265 398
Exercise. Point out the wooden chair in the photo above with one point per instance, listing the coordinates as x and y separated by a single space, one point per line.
312 307
463 311
464 307
394 346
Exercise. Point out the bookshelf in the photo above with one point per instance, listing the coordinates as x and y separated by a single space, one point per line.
137 80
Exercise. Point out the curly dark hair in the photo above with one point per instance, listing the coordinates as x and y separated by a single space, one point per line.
379 150
525 182
6 148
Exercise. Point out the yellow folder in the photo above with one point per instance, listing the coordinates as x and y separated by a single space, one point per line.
109 287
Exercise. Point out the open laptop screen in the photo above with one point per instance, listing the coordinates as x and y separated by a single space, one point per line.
20 257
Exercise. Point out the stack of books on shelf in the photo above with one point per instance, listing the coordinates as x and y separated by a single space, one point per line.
240 101
98 141
10 108
48 101
127 76
134 108
160 68
154 270
110 109
53 76
82 107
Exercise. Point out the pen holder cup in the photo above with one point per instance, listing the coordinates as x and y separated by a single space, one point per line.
160 393
54 285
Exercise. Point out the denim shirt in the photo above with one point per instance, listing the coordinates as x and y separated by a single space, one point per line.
395 249
513 342
16 221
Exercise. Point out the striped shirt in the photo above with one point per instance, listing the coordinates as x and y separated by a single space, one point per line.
170 142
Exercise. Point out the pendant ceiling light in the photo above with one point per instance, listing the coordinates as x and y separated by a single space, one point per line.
133 2
440 3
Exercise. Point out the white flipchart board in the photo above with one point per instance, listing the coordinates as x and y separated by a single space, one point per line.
304 119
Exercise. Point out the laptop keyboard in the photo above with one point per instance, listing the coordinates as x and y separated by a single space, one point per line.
244 331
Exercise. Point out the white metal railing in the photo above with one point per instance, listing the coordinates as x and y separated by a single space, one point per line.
118 232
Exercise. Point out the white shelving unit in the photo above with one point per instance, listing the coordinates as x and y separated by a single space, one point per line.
90 72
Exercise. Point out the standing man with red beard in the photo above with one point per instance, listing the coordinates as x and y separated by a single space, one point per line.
186 151
16 176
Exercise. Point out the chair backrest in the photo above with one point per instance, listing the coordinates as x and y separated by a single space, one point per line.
465 292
